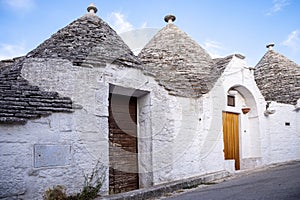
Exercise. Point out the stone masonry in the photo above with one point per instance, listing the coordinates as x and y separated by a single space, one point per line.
20 101
278 78
178 63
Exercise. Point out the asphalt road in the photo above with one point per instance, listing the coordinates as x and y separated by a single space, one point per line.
281 182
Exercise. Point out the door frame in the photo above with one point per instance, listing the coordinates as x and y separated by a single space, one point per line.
144 133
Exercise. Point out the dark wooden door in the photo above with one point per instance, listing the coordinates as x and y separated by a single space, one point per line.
123 171
231 137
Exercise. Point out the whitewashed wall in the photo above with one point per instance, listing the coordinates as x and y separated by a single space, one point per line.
282 141
178 137
263 139
19 178
238 76
85 131
162 119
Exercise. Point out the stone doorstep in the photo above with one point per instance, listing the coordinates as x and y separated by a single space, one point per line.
161 189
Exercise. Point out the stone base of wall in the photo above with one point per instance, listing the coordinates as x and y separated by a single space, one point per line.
250 163
229 166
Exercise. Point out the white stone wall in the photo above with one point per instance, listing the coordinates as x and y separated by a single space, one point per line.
263 139
186 142
178 137
85 130
162 113
239 77
282 141
20 178
180 144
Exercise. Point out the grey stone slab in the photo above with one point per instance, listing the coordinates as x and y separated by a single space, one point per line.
52 155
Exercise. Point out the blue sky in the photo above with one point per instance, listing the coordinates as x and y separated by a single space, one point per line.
222 27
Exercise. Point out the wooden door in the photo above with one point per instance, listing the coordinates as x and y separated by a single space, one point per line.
123 171
231 137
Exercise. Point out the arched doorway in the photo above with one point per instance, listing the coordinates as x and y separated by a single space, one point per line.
241 135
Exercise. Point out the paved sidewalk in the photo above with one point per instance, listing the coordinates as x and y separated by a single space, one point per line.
160 190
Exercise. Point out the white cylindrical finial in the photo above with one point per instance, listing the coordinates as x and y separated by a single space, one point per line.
170 19
92 8
270 46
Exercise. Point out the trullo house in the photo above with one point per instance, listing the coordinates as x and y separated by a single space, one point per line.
172 112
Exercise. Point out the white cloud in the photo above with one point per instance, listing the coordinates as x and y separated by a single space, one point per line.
8 51
278 5
119 23
293 41
214 48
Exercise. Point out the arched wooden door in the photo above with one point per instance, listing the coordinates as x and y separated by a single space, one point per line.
231 137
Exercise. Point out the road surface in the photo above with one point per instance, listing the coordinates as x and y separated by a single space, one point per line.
281 182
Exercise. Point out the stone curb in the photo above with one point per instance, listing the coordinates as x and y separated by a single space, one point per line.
160 190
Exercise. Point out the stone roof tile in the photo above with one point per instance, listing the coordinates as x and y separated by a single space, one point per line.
221 63
278 78
87 39
21 101
172 57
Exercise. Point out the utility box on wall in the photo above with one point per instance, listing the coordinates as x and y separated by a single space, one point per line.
46 155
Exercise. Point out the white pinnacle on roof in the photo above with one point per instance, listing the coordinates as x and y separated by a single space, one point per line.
92 8
270 46
170 19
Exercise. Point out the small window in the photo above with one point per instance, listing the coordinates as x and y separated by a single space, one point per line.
287 123
230 100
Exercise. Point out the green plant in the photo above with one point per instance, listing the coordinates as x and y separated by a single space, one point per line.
91 187
92 183
56 193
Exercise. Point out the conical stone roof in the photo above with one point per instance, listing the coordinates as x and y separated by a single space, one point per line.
21 101
87 39
278 78
178 63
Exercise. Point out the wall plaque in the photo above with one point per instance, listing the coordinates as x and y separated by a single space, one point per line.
46 155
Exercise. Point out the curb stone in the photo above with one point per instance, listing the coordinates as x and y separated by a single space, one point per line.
161 189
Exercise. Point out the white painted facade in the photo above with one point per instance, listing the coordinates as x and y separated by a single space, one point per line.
177 137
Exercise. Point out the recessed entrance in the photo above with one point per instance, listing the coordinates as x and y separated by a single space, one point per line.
231 137
123 144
